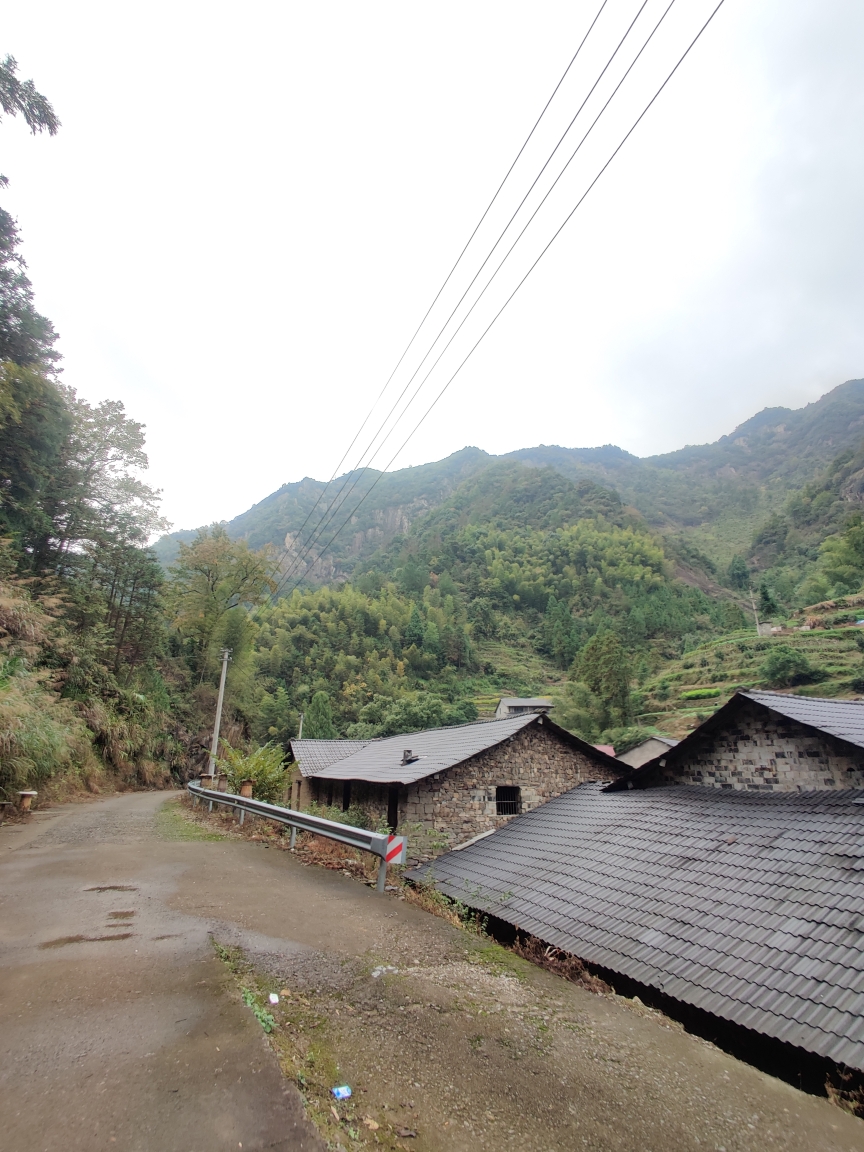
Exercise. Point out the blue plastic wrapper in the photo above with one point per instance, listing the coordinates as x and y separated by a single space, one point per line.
342 1092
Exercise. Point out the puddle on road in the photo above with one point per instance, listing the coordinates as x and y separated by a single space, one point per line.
120 915
112 888
62 941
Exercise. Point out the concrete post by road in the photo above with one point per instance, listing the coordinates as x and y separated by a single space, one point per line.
214 749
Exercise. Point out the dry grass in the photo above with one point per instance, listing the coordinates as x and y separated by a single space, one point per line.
560 962
309 849
429 899
845 1088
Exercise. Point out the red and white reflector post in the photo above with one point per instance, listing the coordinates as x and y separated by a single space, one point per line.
397 849
397 853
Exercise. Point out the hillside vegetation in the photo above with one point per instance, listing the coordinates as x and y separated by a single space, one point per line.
624 588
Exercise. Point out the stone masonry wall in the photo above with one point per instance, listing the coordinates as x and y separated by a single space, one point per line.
372 797
763 752
461 801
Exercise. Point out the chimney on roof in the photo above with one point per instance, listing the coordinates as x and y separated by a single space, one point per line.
408 757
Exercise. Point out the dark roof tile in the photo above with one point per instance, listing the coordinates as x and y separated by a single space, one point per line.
761 932
433 750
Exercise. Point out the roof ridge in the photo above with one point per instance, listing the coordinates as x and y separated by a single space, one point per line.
797 696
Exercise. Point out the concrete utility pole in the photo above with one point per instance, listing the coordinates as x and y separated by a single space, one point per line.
300 733
755 613
214 748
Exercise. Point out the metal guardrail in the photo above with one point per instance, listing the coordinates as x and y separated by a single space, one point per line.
378 843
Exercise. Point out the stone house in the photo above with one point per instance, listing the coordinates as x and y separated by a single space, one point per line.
459 782
517 705
649 749
725 875
766 742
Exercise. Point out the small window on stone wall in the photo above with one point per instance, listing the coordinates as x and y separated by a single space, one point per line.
508 801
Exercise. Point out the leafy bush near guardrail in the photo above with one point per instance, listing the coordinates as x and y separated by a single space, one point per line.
263 766
355 816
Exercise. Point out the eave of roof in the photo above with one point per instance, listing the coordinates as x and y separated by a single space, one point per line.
315 755
438 749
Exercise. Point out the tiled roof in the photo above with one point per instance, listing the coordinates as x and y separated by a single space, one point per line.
436 749
313 756
842 718
749 906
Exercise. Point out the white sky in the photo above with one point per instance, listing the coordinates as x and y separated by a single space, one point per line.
249 207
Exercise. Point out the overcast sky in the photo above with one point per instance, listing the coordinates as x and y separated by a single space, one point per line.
249 208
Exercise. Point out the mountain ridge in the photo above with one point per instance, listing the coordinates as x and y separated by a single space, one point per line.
715 495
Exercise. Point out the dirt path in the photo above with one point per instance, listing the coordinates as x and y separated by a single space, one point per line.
135 1037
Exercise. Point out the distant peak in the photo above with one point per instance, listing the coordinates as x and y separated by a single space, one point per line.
767 418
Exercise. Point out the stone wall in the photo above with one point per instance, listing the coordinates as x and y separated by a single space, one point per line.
758 750
461 801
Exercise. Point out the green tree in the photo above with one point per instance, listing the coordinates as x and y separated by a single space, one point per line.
278 718
843 556
20 98
604 667
738 574
25 337
99 495
785 667
414 631
214 576
768 605
263 766
318 722
35 425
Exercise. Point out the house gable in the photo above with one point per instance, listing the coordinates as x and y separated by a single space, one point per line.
749 746
541 760
535 762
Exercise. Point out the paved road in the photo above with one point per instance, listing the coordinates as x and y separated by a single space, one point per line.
115 1029
120 1030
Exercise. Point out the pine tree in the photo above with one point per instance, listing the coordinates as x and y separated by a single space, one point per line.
414 631
319 719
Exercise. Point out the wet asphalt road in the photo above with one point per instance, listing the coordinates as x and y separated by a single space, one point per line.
116 1031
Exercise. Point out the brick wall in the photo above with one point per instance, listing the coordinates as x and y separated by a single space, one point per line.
757 750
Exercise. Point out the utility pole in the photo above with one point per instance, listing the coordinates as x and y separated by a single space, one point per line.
300 733
214 748
755 613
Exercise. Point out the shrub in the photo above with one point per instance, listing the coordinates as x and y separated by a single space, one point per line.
700 694
263 766
355 816
785 667
623 739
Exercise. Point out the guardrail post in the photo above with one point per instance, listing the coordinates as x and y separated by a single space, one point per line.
382 875
293 835
242 815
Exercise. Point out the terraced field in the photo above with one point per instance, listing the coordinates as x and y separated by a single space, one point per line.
690 689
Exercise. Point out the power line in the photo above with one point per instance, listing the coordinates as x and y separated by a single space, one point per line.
329 516
567 219
336 504
449 276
